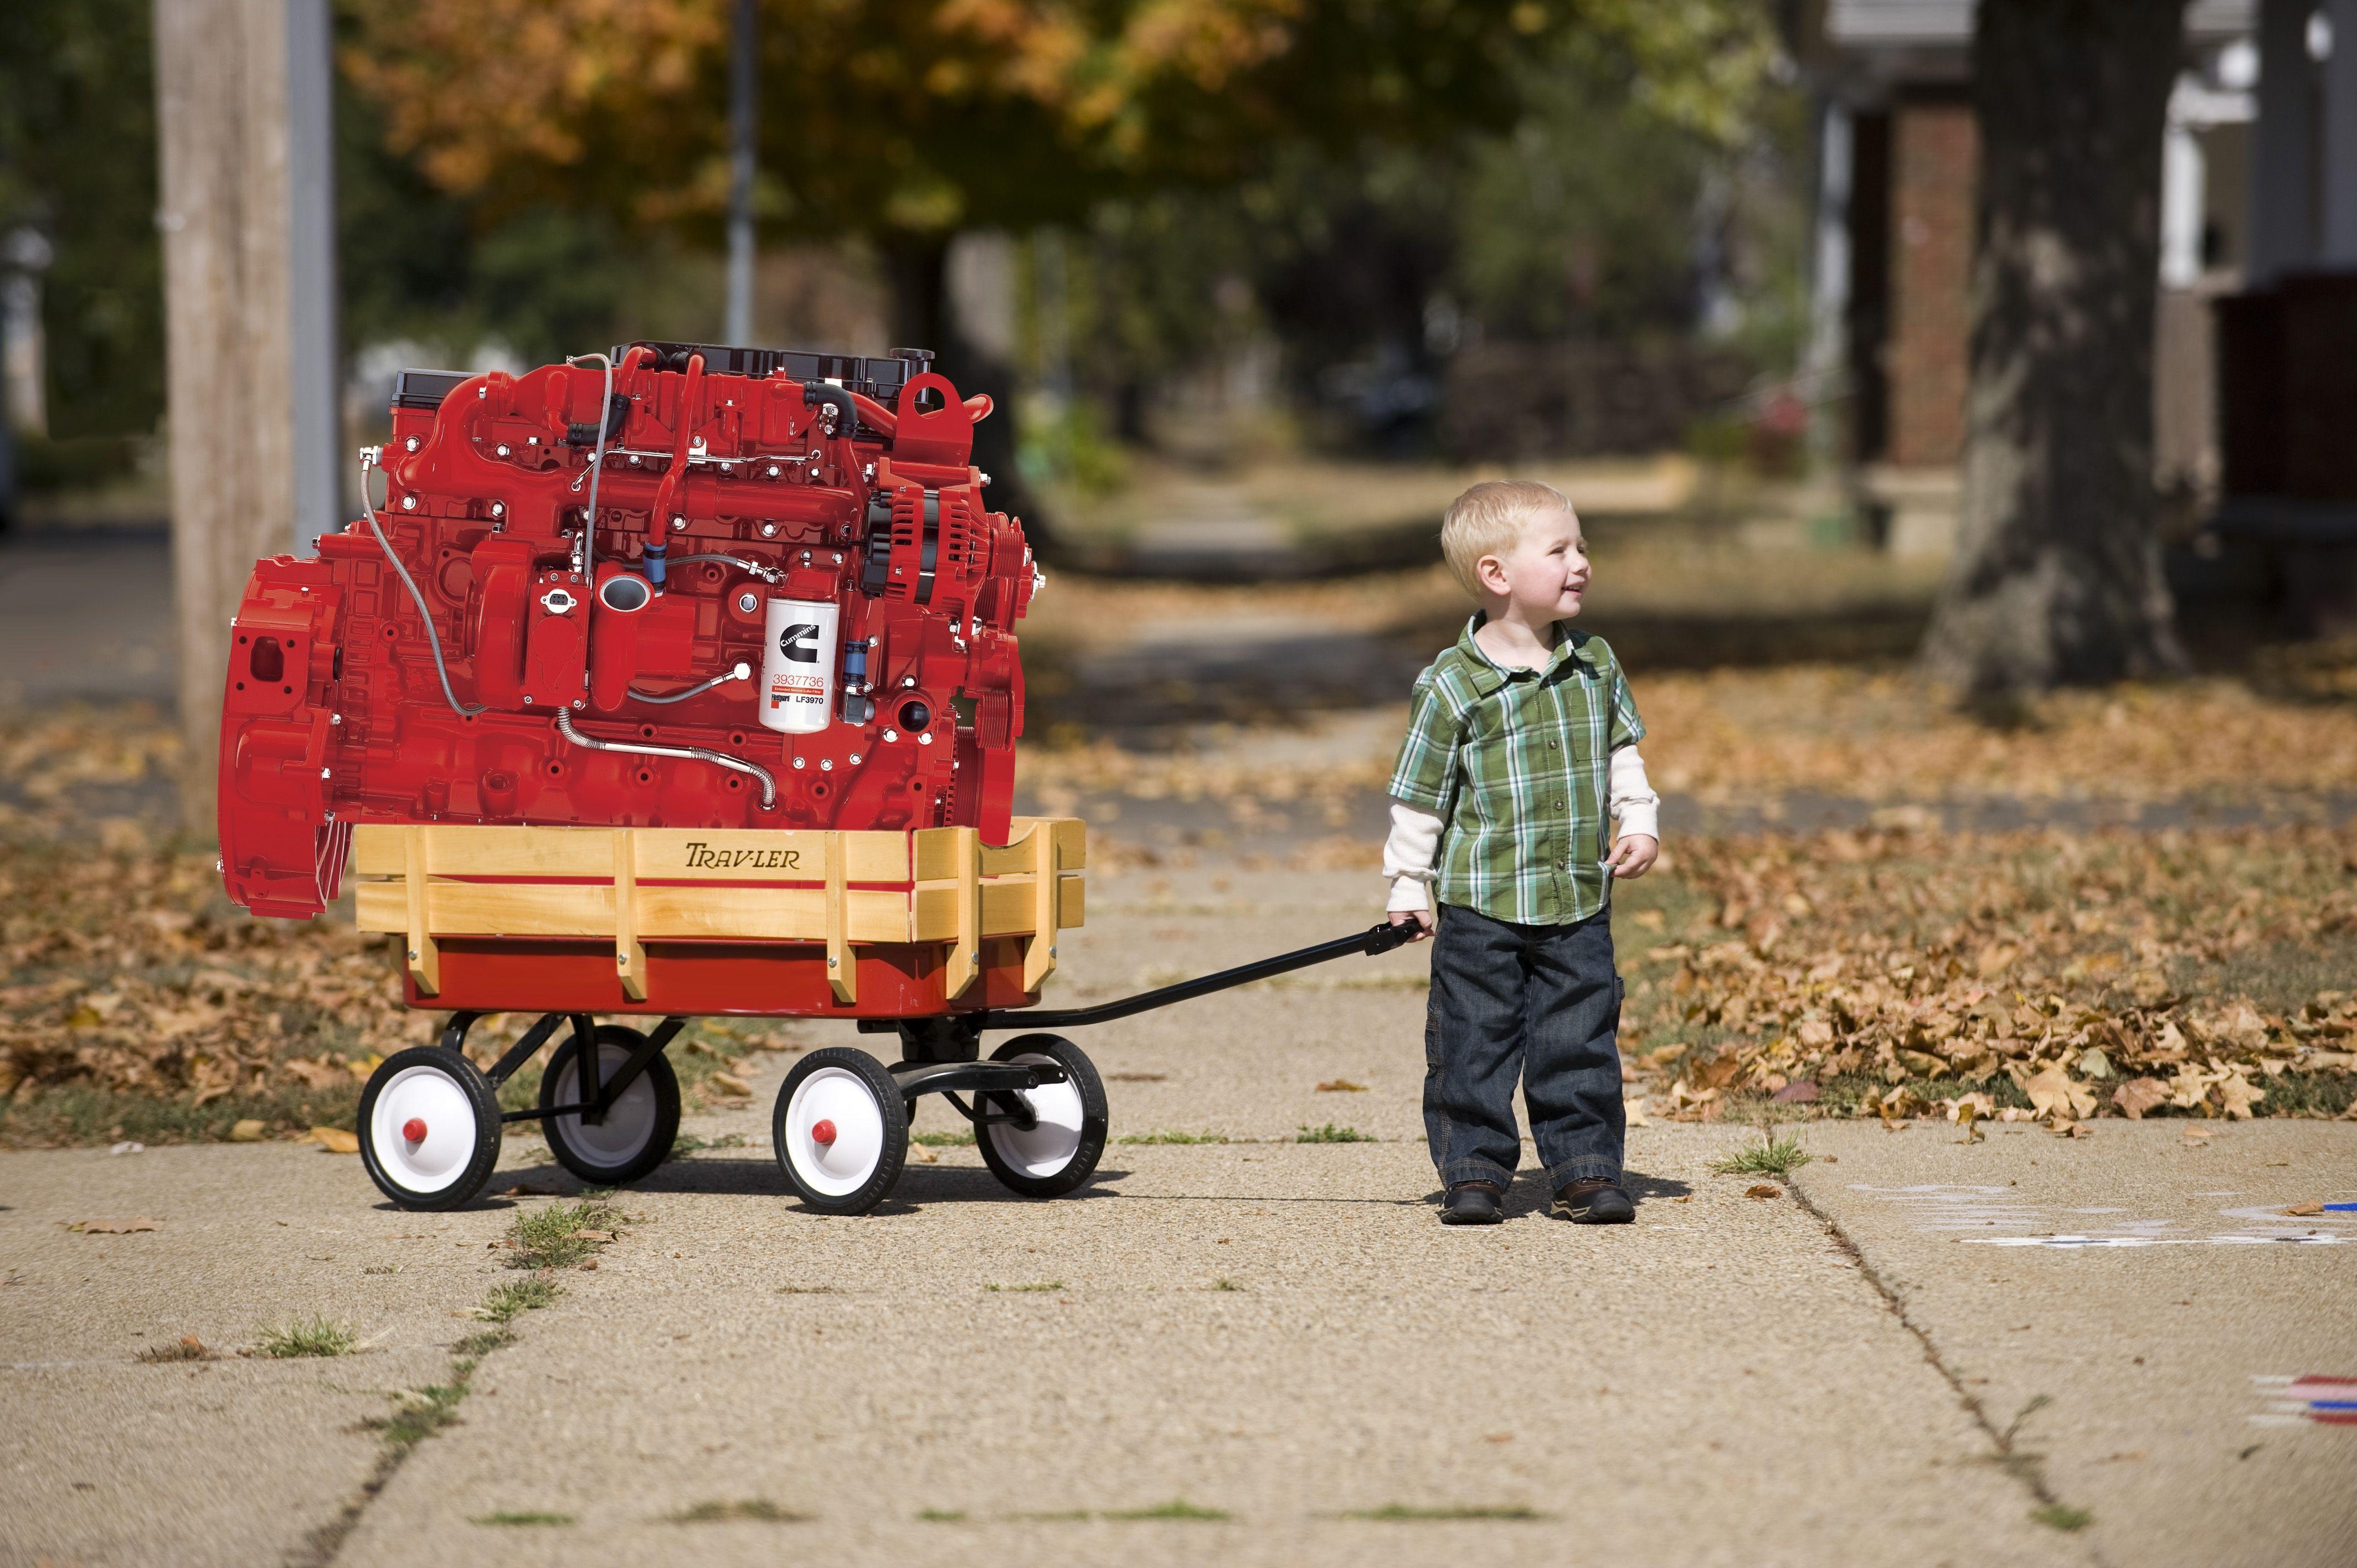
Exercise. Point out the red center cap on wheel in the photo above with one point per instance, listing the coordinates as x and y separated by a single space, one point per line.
414 1129
823 1134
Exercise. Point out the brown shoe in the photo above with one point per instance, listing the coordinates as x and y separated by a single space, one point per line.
1595 1201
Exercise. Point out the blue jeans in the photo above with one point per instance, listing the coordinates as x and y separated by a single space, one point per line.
1538 1003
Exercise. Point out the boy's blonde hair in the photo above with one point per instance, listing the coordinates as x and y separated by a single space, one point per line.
1488 520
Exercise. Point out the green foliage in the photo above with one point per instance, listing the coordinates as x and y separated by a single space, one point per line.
1405 1513
2062 1517
78 163
756 1509
421 1413
1068 445
1776 1155
1176 1508
559 1235
522 1518
1330 1133
76 1114
475 1346
304 1337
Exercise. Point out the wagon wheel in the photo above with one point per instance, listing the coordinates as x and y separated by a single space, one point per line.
640 1126
1059 1151
429 1124
841 1130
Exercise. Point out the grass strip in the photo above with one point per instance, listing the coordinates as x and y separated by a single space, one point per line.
561 1234
307 1336
759 1510
1330 1133
1176 1508
511 1300
1405 1513
1776 1155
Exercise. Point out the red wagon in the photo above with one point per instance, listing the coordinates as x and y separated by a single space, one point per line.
685 684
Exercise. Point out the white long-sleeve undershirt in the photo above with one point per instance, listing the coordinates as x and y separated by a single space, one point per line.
1416 834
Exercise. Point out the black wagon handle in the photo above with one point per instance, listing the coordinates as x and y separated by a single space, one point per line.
1374 941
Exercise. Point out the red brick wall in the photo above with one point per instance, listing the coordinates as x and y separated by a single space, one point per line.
1934 159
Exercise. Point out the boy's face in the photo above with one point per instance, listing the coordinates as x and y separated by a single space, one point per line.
1544 575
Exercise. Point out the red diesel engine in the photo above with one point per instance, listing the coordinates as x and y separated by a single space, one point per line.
692 587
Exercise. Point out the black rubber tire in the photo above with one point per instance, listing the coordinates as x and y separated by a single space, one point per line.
861 1187
1075 1171
566 1144
474 1152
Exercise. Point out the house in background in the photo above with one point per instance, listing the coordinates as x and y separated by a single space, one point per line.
1900 157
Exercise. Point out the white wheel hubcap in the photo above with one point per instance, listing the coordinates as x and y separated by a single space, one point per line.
630 1121
835 1131
431 1096
1045 1149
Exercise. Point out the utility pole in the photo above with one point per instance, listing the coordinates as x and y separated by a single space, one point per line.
744 76
221 88
315 300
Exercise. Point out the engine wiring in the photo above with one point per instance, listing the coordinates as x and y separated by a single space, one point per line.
586 555
695 753
370 458
742 671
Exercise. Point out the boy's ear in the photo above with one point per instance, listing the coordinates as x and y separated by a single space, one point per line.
1491 573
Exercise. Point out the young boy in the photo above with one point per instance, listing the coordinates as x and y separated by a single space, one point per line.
1522 738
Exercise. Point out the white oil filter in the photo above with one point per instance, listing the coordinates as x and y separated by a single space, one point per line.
798 665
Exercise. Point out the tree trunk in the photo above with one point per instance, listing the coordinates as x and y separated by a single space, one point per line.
2057 576
916 267
220 101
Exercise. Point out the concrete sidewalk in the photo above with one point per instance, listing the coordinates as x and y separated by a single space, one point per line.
2150 1290
1274 1333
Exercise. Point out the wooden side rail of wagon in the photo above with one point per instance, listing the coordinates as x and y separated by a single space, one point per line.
941 889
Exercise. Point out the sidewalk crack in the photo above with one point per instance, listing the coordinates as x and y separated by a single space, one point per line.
554 1236
2024 1466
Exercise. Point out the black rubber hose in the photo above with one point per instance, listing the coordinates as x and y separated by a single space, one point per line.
847 413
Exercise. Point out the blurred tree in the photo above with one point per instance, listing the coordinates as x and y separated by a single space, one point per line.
2058 573
1586 221
1583 221
78 163
544 280
907 119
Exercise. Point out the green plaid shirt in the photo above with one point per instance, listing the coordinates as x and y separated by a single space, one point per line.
1515 762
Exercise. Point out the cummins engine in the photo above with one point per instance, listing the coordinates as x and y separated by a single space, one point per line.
679 585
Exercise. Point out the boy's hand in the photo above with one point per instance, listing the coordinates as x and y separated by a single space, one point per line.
1421 918
1634 855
